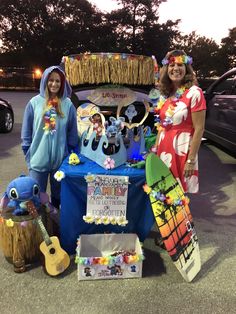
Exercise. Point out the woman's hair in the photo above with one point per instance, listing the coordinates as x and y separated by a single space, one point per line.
165 84
59 95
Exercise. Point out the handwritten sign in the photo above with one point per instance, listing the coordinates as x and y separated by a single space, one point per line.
112 96
107 197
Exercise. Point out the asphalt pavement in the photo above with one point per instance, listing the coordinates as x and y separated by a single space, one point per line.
161 289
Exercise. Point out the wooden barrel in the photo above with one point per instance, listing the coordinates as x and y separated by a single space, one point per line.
20 238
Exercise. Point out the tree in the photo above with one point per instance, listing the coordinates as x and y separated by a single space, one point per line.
227 53
137 28
43 31
204 52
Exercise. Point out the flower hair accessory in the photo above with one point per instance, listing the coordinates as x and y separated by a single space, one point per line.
183 59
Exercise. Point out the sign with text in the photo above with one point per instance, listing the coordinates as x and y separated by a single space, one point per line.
112 97
107 196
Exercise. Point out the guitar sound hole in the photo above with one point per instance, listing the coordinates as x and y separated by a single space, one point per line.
52 251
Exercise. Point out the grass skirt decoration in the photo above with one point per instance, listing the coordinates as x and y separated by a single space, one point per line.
98 68
19 240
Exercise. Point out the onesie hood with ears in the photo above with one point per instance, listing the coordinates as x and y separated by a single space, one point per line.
66 90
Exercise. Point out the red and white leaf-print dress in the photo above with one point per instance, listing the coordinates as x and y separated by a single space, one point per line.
175 139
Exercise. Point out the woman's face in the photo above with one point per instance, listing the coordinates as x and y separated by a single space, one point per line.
176 72
54 83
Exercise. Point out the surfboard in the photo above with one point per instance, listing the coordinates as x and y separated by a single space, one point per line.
173 217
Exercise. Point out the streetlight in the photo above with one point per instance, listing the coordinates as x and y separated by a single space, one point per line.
37 74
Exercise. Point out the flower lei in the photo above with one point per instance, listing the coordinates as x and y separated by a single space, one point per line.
119 258
168 120
50 116
182 201
105 220
178 59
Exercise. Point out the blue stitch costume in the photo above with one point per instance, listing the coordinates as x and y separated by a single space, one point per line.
45 151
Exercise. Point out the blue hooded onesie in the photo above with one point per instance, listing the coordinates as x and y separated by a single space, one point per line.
44 152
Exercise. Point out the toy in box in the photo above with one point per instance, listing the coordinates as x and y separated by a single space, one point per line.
109 256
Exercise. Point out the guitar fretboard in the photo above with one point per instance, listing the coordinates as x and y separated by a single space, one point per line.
44 231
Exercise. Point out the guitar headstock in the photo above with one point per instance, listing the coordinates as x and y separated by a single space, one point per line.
32 209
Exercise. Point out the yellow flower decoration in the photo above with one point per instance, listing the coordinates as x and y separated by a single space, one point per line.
179 59
88 219
104 261
122 221
9 222
113 220
105 220
97 220
89 177
59 175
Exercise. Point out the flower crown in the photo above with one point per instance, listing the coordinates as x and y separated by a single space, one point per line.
178 59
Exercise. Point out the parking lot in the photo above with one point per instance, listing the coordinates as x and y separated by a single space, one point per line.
161 289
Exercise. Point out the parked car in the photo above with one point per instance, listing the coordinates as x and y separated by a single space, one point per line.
221 111
82 95
6 116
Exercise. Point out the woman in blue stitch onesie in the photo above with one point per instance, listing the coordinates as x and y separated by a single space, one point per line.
49 130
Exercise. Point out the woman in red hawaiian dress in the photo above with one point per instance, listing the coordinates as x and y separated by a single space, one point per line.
180 117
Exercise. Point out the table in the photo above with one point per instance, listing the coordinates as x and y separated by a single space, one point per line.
74 197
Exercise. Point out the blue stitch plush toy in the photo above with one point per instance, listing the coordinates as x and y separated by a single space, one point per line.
21 190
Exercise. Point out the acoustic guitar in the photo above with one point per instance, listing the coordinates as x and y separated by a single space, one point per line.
56 259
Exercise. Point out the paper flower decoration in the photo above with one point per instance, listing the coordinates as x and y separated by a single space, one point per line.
88 219
59 175
89 177
9 222
109 163
122 221
97 220
126 180
113 220
24 224
105 220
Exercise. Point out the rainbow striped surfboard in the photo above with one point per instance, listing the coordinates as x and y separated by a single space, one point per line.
174 220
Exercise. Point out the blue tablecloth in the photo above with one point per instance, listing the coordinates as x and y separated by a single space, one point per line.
74 196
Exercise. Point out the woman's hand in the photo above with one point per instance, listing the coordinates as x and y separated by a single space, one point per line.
189 169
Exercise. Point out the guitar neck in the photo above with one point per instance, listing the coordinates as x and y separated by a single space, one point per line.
44 232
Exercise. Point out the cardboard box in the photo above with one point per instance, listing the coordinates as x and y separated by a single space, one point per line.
104 256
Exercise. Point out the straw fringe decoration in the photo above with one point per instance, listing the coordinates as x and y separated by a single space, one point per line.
110 68
19 242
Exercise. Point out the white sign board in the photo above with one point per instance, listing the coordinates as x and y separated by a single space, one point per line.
107 199
112 97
